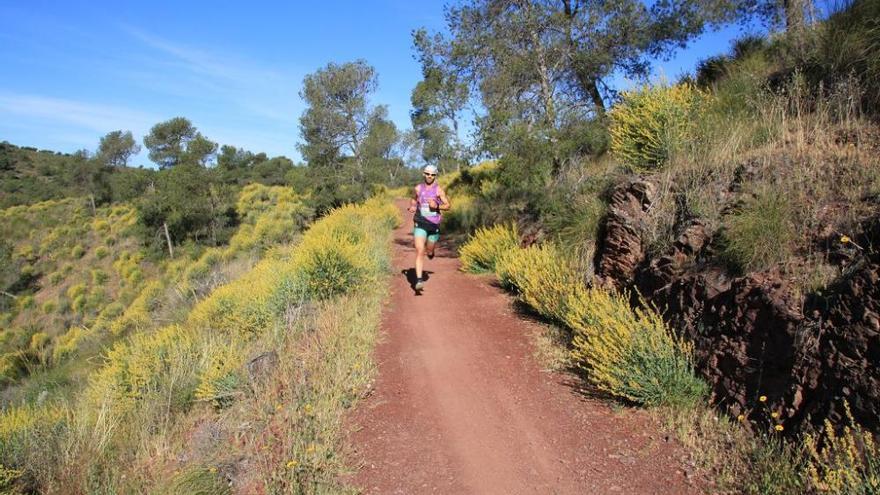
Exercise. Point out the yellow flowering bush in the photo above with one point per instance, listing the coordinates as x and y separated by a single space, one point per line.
137 315
270 215
629 353
487 244
67 343
542 276
464 216
25 428
220 376
846 463
653 122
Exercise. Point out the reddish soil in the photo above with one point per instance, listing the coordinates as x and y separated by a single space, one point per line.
461 405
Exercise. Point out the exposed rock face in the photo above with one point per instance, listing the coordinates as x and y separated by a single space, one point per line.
745 342
751 335
840 359
620 250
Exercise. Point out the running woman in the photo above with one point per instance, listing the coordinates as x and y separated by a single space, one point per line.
427 203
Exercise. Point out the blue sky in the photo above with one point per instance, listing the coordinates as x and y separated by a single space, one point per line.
72 71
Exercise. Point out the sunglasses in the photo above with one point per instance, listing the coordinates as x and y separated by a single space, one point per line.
430 175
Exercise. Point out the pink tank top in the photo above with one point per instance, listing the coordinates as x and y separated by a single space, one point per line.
426 194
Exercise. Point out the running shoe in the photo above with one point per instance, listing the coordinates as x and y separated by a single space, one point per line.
420 284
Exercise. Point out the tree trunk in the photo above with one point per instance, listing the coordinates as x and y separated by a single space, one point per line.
796 23
92 200
795 20
544 76
168 238
592 89
586 79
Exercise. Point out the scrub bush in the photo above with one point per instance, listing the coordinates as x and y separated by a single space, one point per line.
486 246
649 125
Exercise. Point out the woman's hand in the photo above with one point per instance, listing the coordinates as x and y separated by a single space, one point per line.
433 204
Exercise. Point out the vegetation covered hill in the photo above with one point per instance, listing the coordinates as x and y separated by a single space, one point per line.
114 354
700 243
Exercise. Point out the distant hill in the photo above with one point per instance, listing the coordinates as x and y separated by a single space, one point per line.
28 175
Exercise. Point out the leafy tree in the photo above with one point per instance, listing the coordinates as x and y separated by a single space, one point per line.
201 150
541 71
337 119
117 147
186 203
437 104
176 141
271 172
346 140
232 158
128 184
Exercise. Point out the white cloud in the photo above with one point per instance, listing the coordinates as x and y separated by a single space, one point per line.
84 115
256 90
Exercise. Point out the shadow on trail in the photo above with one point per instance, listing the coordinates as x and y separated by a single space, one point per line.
575 378
410 274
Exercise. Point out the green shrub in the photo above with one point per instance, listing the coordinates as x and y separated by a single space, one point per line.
329 266
847 46
77 252
485 247
67 343
760 234
38 341
648 126
776 466
99 276
464 217
25 302
49 307
101 252
79 304
55 278
631 353
113 310
198 481
134 277
220 379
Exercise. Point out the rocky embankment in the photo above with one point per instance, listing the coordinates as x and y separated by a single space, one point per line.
754 334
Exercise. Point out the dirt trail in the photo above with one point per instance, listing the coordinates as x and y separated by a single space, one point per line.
461 406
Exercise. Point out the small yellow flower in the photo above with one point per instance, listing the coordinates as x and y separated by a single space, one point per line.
762 398
778 427
291 464
741 418
308 408
774 415
213 469
310 449
845 239
277 407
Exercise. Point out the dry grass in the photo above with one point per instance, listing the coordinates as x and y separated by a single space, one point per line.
813 157
732 459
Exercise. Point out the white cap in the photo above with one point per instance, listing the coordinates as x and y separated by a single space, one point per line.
431 169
